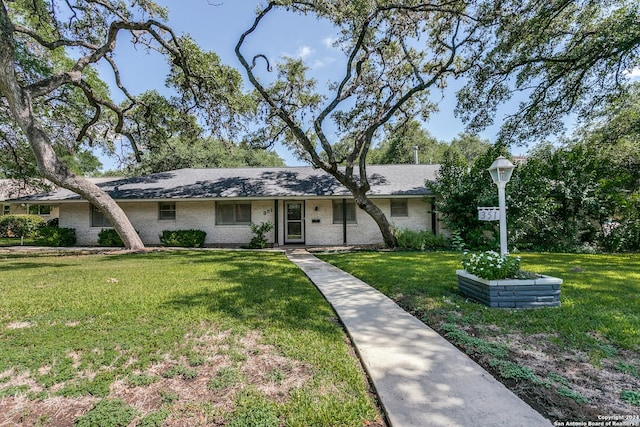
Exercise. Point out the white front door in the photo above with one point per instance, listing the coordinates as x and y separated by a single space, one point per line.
294 222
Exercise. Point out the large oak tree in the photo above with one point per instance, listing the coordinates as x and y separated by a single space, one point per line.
395 55
564 55
558 58
53 98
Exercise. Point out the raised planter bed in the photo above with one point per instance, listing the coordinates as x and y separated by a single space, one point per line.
511 293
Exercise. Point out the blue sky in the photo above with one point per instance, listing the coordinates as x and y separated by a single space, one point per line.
217 24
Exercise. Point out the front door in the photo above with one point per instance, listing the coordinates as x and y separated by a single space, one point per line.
294 227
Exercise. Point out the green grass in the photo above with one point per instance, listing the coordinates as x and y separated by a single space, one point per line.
599 316
78 324
600 306
11 241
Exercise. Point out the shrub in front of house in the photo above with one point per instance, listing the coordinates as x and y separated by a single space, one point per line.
109 237
20 225
55 236
183 238
259 241
421 240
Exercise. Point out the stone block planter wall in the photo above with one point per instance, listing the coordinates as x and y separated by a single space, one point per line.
528 293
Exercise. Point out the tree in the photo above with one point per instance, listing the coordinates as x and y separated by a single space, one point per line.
460 187
398 145
565 57
37 77
395 53
470 146
171 138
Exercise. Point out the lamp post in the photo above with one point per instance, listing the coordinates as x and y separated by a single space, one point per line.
501 170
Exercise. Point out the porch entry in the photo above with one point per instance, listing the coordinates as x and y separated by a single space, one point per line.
294 222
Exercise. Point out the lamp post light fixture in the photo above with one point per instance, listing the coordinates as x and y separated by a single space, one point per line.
501 170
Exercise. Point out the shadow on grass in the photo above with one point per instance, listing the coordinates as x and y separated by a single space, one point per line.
258 289
12 266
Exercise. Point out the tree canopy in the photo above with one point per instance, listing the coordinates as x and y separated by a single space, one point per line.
51 95
394 54
560 57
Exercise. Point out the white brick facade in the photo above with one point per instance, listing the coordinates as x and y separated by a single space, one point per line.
318 226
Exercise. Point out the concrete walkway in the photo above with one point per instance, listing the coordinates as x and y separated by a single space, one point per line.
421 379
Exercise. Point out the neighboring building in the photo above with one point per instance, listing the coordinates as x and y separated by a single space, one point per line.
11 189
14 198
306 205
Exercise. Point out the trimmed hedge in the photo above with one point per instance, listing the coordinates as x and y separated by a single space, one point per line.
183 238
109 237
55 236
20 225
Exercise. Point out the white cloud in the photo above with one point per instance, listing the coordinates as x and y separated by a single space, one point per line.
304 52
328 42
633 74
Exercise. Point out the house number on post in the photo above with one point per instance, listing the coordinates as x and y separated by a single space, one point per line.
488 214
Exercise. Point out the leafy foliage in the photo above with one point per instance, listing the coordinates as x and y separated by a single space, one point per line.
259 241
20 225
109 237
461 186
171 138
184 238
567 57
108 413
55 236
632 397
398 145
421 240
394 55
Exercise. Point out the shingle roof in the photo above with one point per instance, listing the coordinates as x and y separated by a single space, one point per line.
385 180
12 188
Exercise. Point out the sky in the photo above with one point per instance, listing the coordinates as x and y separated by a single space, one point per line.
217 25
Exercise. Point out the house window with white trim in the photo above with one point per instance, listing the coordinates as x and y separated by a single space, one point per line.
166 210
399 207
233 213
39 209
338 212
98 219
6 210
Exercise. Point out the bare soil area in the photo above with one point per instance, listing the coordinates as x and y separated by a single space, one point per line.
201 398
569 385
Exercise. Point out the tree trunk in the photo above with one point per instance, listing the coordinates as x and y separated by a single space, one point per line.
378 216
49 165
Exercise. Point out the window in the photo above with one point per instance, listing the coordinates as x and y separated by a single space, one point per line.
6 210
399 207
338 210
40 209
232 213
166 210
98 219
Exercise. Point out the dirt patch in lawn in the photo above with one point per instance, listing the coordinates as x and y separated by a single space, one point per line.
562 384
195 390
573 385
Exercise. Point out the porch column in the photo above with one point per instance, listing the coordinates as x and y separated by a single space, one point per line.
344 221
434 217
276 223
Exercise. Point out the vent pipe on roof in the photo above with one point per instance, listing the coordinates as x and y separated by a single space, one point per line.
415 155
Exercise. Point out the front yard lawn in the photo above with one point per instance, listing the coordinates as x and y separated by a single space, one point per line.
13 241
570 363
180 338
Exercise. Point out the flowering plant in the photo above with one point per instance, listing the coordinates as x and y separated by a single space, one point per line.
491 265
